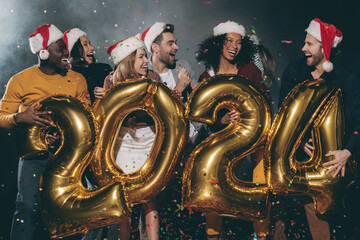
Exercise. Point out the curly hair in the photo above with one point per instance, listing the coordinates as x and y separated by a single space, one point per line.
210 50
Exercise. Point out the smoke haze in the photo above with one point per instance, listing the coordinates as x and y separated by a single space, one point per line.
108 21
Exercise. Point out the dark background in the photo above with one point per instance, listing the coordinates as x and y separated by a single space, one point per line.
111 20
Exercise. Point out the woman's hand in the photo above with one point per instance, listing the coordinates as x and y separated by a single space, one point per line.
99 92
229 117
308 147
177 94
339 162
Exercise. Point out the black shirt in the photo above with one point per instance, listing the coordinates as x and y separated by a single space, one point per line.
95 75
298 72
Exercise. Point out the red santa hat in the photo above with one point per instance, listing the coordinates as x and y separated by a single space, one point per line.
124 48
42 38
151 33
229 27
328 35
71 36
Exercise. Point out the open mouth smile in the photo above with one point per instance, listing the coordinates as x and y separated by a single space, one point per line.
232 53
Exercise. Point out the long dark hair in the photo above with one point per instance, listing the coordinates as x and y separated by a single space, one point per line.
77 55
269 65
210 50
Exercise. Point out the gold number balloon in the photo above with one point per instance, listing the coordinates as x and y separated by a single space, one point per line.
312 105
171 136
67 206
209 182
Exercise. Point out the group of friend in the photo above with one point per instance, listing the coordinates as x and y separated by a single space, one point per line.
67 66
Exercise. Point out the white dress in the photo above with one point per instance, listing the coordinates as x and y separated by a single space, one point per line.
135 146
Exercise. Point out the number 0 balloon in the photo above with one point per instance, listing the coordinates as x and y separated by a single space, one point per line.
171 136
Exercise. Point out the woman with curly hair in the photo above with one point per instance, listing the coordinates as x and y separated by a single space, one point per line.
230 51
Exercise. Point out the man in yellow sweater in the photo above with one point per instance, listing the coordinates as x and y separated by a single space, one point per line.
50 76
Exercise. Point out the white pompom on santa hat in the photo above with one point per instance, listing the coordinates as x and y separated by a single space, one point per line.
328 35
229 27
71 36
42 38
151 33
124 48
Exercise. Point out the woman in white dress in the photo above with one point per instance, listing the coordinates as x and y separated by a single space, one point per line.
137 134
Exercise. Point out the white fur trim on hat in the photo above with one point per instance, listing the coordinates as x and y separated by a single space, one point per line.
327 66
44 54
36 39
71 36
151 33
124 48
229 27
314 30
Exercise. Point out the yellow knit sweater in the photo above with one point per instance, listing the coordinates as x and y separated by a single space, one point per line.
27 87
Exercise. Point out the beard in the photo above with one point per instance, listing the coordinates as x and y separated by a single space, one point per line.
60 70
316 59
165 58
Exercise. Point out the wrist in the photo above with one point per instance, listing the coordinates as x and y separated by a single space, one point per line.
223 121
15 118
179 89
348 152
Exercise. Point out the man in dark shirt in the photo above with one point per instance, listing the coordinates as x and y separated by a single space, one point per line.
320 46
